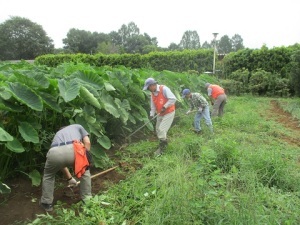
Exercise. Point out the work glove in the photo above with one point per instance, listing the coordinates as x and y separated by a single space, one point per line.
200 109
72 183
163 110
188 112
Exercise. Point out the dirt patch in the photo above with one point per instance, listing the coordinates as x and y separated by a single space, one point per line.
286 119
22 203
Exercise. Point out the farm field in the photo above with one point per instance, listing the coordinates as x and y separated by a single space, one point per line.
246 173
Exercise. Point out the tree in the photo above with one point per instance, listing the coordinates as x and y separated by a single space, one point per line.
173 47
206 45
237 42
190 40
131 41
107 48
81 41
21 38
295 72
224 45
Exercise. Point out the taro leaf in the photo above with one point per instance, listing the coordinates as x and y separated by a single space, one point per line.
109 105
4 93
9 106
89 77
28 132
4 136
96 129
89 114
32 78
123 106
109 87
131 119
26 96
68 89
148 124
50 101
89 97
104 141
35 177
4 189
15 146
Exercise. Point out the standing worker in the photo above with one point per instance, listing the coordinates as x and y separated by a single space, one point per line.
217 97
163 103
198 102
68 149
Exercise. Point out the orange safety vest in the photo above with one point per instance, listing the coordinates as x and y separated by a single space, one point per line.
216 91
81 161
160 100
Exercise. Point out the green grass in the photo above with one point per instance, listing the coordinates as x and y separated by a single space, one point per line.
243 174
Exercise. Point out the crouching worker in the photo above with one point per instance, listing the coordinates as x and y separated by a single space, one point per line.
68 149
163 103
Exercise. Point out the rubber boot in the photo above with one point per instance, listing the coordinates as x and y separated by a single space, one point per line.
162 146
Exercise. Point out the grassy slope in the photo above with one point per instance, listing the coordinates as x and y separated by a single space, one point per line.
243 174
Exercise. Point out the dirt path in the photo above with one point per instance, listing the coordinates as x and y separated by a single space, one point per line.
286 119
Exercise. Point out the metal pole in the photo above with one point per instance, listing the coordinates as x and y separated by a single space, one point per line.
215 45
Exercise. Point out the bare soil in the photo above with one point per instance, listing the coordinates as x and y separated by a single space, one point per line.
286 119
21 204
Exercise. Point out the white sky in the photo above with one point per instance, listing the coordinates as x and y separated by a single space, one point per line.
274 23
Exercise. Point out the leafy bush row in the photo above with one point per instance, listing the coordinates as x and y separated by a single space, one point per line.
177 61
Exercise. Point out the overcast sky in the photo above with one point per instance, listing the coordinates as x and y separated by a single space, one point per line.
274 23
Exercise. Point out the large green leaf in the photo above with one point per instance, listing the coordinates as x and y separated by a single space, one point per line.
28 132
15 146
123 107
32 78
89 97
109 105
89 77
35 177
69 90
89 114
26 96
109 87
50 101
9 106
4 136
4 93
4 189
104 141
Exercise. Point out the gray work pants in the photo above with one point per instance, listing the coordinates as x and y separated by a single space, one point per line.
218 107
58 158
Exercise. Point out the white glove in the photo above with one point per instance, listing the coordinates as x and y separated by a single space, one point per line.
188 112
200 109
72 183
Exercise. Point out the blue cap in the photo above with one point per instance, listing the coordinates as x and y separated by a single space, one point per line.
148 82
185 92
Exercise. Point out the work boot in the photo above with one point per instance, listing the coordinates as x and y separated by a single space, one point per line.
162 146
46 207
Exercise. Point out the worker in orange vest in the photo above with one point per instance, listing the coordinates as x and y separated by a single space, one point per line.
162 103
217 97
69 148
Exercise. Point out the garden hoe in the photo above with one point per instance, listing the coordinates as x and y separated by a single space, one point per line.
93 176
142 127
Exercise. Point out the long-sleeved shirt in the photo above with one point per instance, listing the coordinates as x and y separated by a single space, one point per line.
168 94
197 100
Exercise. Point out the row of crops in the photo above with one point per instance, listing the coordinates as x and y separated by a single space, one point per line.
35 101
